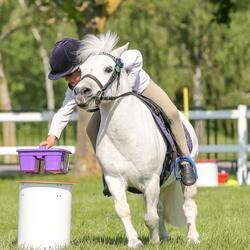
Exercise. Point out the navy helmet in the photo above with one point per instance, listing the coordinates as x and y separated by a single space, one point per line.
63 58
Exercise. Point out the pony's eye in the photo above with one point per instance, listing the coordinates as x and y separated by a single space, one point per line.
108 69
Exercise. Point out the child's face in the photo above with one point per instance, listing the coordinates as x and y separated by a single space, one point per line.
73 78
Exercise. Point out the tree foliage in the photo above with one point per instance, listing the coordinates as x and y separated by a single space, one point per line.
172 36
175 37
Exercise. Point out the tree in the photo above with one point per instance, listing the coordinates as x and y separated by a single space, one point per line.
45 59
9 128
38 19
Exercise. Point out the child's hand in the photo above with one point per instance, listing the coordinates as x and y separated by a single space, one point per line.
50 141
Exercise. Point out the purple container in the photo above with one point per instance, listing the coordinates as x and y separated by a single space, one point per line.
55 160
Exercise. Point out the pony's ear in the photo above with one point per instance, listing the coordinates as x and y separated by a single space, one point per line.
118 51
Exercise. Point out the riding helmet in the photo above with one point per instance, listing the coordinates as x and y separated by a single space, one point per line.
63 58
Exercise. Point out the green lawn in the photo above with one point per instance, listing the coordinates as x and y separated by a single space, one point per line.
223 218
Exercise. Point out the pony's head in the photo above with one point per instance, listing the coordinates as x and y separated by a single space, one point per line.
100 72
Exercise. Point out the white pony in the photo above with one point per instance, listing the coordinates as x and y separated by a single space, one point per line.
130 147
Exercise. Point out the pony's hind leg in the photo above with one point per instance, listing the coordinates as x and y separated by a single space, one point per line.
151 196
118 190
190 211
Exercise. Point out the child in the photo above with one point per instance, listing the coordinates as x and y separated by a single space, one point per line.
65 63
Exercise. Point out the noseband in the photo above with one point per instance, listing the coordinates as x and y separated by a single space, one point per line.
115 75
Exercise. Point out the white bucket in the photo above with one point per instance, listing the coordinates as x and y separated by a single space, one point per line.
207 171
44 214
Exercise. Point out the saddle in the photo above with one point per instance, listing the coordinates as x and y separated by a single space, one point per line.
162 122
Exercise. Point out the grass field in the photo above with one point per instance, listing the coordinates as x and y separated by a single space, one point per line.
223 218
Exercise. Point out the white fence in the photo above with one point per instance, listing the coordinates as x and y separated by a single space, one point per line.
241 114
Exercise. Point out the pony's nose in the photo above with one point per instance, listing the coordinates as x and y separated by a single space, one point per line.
83 91
86 91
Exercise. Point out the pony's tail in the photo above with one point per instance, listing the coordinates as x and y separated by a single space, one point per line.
173 200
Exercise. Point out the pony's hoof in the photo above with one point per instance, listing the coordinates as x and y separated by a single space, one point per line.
194 240
155 240
135 244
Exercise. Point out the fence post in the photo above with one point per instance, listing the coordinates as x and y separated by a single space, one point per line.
242 141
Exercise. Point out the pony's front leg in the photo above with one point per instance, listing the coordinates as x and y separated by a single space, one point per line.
151 196
118 190
190 211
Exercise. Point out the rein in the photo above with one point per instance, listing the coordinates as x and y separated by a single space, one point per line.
99 97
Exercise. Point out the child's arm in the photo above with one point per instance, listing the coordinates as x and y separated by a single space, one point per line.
60 119
133 64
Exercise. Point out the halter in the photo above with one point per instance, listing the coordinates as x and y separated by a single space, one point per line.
115 75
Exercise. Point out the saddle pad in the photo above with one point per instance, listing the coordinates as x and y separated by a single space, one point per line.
163 125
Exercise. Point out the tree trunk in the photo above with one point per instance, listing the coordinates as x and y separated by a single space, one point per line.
45 60
8 128
199 125
85 162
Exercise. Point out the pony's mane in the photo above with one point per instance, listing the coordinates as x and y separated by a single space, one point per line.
95 44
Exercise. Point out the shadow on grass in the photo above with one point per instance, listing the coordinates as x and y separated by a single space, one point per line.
105 240
11 175
122 241
176 240
14 243
116 241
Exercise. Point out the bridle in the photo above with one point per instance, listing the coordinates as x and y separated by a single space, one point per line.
99 97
